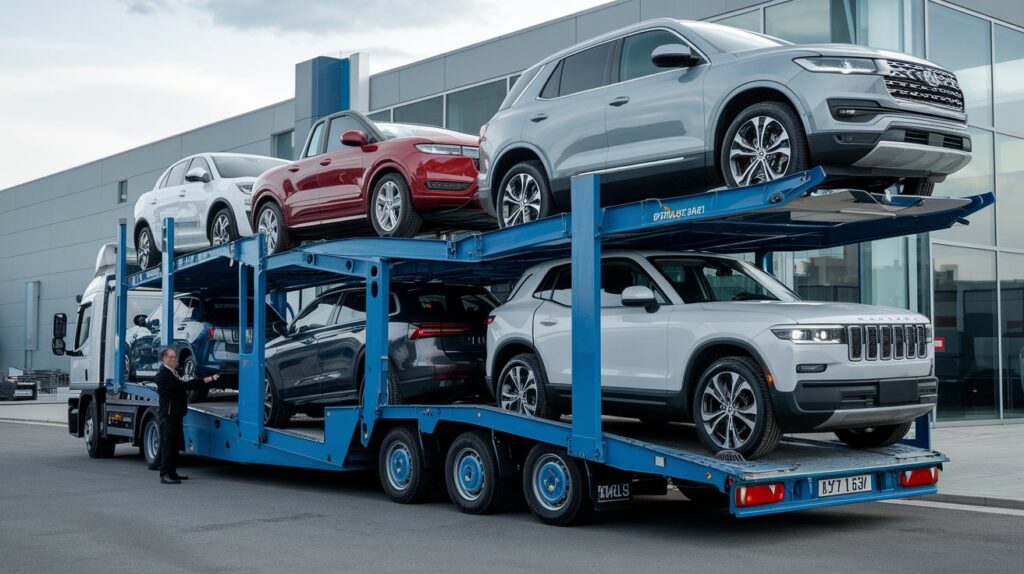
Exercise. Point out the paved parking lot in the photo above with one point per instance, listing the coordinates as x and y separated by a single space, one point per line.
65 512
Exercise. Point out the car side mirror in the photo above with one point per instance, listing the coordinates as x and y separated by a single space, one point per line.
279 328
141 321
672 56
640 296
198 174
353 138
153 325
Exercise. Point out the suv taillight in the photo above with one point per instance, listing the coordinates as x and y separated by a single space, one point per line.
430 330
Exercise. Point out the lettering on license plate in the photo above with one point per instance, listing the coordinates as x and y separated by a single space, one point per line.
844 485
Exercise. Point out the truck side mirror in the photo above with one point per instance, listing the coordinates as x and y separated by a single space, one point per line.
57 346
60 325
141 321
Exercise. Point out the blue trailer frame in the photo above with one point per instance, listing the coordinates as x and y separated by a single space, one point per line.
784 215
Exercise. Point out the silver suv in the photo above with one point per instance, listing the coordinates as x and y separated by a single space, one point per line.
683 106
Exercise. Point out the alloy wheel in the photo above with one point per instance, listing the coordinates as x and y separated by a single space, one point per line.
188 369
268 226
268 400
145 245
760 151
519 390
520 201
388 207
221 229
728 410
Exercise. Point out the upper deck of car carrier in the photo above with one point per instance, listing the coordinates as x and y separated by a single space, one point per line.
788 214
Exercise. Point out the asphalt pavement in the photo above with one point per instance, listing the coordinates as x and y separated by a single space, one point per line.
61 511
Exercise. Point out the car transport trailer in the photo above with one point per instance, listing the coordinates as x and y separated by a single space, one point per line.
567 467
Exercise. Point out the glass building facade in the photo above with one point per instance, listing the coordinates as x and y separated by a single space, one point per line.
969 279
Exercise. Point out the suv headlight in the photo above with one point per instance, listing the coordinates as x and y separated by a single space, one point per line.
447 149
811 334
838 65
245 188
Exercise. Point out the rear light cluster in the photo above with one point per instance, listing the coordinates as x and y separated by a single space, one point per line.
431 330
760 494
919 477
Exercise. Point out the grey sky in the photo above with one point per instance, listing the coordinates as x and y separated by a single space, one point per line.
83 80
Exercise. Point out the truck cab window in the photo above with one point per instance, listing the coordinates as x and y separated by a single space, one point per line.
84 325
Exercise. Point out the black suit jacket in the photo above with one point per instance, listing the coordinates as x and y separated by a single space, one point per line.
173 400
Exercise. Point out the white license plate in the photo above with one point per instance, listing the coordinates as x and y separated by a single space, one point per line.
23 393
844 485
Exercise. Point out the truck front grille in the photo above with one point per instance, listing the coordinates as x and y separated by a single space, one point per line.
924 85
887 342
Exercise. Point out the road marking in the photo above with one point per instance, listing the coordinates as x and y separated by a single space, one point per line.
954 506
36 423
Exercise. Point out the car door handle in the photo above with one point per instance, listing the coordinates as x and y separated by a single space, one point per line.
293 168
181 194
180 328
549 322
152 202
326 161
619 101
538 118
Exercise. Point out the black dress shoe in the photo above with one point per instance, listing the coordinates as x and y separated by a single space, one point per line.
169 480
177 476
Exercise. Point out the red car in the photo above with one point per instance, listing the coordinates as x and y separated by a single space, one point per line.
352 169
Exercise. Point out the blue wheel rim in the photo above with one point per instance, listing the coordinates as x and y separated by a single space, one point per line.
551 485
399 463
470 477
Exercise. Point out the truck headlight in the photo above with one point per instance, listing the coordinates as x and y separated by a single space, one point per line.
811 334
838 65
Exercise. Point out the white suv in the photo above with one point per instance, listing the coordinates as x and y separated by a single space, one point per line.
209 195
715 340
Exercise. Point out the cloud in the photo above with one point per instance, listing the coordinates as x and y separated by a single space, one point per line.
314 16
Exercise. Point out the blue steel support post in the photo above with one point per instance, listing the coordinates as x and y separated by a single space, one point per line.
121 300
167 313
279 301
251 372
586 319
375 382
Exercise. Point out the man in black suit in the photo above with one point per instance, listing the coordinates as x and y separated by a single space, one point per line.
173 406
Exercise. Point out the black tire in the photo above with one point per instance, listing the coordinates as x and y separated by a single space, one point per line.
750 399
874 437
535 203
222 228
402 468
146 253
785 117
524 378
394 389
149 443
471 473
276 414
270 220
98 446
917 186
391 211
555 486
129 373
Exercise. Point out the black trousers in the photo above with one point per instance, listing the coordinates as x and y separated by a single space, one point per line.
170 441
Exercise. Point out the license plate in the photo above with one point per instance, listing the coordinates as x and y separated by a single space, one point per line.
844 485
23 393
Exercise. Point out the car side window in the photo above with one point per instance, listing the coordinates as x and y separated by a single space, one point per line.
184 309
316 315
585 70
340 125
314 140
352 308
554 81
616 275
635 61
727 285
177 174
200 162
163 180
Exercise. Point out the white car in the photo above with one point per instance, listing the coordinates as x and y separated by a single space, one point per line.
209 195
715 340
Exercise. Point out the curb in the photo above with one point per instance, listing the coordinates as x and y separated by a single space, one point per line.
33 421
991 502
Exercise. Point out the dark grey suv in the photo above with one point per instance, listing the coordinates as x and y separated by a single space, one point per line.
678 106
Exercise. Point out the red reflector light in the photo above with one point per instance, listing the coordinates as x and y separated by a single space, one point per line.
209 333
940 344
429 330
919 477
760 494
490 319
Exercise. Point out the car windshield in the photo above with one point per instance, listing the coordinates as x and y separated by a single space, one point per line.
230 167
707 279
142 303
729 39
392 131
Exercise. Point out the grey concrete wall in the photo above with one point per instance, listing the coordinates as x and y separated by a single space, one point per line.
52 228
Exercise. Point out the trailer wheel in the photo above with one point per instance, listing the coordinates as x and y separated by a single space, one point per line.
150 446
475 484
555 486
874 437
98 446
403 473
733 411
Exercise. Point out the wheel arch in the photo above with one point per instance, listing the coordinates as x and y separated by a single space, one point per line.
707 353
510 156
260 199
378 171
215 206
139 225
504 353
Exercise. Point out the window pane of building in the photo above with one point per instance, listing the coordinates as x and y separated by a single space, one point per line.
381 116
970 56
886 270
122 191
1011 292
428 112
1010 190
284 145
976 177
471 108
965 332
799 21
879 23
1009 80
828 274
745 21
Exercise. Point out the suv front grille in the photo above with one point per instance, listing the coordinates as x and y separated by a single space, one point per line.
887 342
921 84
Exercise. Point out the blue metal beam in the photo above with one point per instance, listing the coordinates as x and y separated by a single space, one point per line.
252 344
121 302
377 366
167 289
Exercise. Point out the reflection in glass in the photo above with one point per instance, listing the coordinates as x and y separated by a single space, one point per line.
879 23
886 279
470 108
1009 79
428 112
1010 183
965 332
969 55
828 274
799 21
976 177
1011 293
